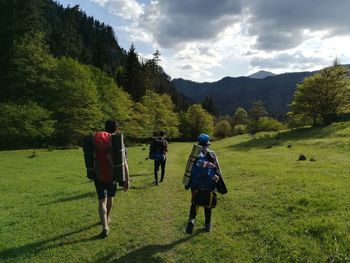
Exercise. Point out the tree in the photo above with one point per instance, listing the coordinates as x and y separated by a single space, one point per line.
139 125
75 102
31 70
73 44
209 106
195 121
114 102
240 117
24 125
132 82
322 96
162 115
17 19
257 111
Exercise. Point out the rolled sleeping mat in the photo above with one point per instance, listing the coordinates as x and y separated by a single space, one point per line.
196 149
89 157
220 185
119 161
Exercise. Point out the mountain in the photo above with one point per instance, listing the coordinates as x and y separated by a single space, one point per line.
261 74
276 92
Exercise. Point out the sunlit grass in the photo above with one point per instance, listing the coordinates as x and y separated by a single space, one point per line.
277 209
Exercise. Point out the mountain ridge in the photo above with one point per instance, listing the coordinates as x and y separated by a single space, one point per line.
261 74
228 93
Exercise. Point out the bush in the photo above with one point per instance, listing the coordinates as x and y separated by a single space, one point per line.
265 124
222 129
239 129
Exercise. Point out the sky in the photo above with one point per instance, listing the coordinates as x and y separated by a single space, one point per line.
206 40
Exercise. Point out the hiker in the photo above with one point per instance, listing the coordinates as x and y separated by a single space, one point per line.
158 152
152 145
203 179
107 165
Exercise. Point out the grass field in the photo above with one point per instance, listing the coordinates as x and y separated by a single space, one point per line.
277 209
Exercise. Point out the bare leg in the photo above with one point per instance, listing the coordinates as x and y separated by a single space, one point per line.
109 206
103 212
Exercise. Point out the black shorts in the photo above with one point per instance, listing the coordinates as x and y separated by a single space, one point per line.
105 189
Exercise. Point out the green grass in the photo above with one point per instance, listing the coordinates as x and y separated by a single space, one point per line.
277 209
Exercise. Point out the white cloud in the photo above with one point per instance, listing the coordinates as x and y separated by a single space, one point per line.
127 9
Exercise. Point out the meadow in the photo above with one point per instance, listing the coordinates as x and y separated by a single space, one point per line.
277 209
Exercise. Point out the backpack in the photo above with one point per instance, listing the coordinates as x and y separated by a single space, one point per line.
104 156
157 149
202 173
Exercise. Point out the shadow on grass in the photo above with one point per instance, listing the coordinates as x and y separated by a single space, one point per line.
266 141
147 253
140 174
142 187
39 246
71 198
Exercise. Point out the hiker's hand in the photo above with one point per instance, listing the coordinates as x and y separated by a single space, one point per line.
126 185
216 178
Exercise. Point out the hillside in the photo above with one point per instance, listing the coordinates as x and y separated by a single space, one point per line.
229 93
277 209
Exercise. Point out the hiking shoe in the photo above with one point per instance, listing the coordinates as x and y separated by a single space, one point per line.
208 228
105 233
189 228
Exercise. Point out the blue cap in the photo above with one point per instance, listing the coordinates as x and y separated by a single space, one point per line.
203 139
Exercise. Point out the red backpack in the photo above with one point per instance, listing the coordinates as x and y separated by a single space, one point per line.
103 156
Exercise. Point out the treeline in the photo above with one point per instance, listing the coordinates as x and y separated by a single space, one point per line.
256 119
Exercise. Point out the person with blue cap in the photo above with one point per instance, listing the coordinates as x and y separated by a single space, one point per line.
203 180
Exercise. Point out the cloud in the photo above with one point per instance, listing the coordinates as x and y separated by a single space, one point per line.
177 22
127 9
187 67
281 25
296 60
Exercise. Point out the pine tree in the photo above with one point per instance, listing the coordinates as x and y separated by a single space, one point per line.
132 82
257 111
31 70
17 18
209 106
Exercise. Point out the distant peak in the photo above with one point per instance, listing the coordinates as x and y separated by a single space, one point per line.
261 74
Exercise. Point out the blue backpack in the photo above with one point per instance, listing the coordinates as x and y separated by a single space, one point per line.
202 173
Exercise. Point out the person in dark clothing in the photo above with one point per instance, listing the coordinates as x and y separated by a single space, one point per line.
204 176
160 156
